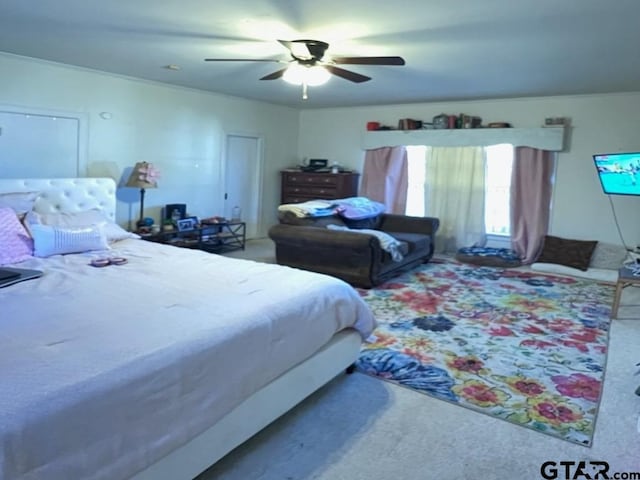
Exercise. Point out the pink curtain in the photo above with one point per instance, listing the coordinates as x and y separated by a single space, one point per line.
530 200
385 177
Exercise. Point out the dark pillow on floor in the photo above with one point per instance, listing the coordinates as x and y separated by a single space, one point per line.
564 251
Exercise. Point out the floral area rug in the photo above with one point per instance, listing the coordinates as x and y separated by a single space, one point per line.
521 346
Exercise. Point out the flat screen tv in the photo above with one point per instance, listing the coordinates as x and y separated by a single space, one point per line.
619 173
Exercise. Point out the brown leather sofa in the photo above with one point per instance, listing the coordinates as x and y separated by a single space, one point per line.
356 258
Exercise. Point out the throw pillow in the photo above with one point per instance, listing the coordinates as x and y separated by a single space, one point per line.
20 202
49 240
564 251
358 208
15 243
112 230
608 256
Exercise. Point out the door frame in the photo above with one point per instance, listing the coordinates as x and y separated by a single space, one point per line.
257 177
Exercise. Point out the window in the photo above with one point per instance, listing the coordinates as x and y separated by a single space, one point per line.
499 161
415 187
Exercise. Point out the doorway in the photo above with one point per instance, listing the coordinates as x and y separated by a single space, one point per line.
243 180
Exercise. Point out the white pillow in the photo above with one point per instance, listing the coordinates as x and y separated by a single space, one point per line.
600 274
20 202
608 256
49 240
112 230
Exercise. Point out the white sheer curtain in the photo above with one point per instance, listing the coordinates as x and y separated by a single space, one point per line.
454 193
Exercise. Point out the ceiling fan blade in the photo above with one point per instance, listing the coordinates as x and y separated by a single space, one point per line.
242 60
315 48
347 74
369 60
305 49
275 75
286 44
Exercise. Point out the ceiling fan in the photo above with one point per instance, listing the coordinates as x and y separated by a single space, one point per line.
308 66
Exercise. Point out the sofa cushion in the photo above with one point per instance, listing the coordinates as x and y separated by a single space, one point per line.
415 241
371 223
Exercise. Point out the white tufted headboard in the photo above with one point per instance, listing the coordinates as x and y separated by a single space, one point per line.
67 194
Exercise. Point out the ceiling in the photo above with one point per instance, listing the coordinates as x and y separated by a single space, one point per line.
454 49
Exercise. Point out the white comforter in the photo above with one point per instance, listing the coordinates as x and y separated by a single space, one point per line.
105 370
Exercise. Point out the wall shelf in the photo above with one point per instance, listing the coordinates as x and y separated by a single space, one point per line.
544 138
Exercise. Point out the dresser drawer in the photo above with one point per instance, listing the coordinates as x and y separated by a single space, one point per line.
310 179
300 187
294 199
313 191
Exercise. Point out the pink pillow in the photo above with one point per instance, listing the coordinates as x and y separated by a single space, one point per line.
15 243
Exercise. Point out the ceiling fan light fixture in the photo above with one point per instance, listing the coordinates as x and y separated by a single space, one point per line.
298 74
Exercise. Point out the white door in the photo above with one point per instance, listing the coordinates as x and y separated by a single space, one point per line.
242 180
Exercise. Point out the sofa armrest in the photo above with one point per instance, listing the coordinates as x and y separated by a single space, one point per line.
404 223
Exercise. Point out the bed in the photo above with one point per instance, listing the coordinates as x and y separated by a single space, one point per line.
156 368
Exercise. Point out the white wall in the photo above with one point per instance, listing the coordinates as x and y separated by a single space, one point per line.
600 124
180 130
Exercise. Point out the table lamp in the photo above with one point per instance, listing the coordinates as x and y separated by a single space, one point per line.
144 175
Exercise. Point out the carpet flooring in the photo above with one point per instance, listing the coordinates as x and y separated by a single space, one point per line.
360 428
524 347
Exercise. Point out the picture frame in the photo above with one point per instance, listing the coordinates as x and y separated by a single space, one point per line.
186 225
195 220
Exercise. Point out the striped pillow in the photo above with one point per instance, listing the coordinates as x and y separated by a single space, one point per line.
49 240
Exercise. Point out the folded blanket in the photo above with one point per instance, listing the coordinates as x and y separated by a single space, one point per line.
311 208
358 208
387 242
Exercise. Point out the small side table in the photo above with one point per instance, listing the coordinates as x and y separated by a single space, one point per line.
625 278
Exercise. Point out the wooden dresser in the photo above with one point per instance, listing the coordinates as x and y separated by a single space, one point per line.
300 186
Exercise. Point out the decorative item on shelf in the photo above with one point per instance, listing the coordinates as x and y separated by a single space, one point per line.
557 122
167 225
194 220
236 214
409 124
186 225
145 226
499 125
144 175
213 220
175 212
315 165
372 126
469 121
441 121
